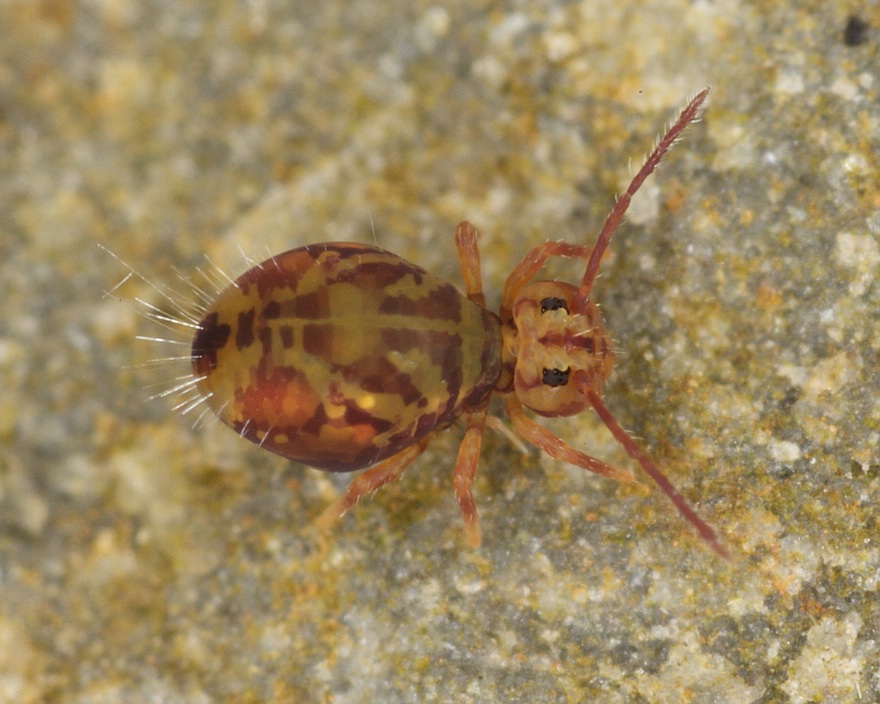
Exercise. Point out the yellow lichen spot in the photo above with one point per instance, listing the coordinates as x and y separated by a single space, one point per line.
768 297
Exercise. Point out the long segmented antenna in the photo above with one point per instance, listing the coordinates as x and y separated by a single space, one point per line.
651 469
688 115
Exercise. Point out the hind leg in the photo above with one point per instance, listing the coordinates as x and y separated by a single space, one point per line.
367 483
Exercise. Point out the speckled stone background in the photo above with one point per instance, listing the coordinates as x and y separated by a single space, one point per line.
144 561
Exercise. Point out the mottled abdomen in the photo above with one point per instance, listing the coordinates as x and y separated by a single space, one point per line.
340 355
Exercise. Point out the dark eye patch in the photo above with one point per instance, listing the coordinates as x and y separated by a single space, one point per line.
555 377
553 303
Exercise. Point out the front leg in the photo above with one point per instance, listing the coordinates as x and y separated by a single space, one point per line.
555 446
531 265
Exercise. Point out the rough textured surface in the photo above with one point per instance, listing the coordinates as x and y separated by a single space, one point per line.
141 561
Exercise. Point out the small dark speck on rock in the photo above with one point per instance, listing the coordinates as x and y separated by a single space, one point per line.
856 31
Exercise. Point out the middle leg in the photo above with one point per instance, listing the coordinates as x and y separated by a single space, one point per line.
469 261
465 471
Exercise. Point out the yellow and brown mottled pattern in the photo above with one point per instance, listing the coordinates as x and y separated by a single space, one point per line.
340 355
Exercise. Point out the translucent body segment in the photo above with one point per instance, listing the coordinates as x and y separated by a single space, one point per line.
341 355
